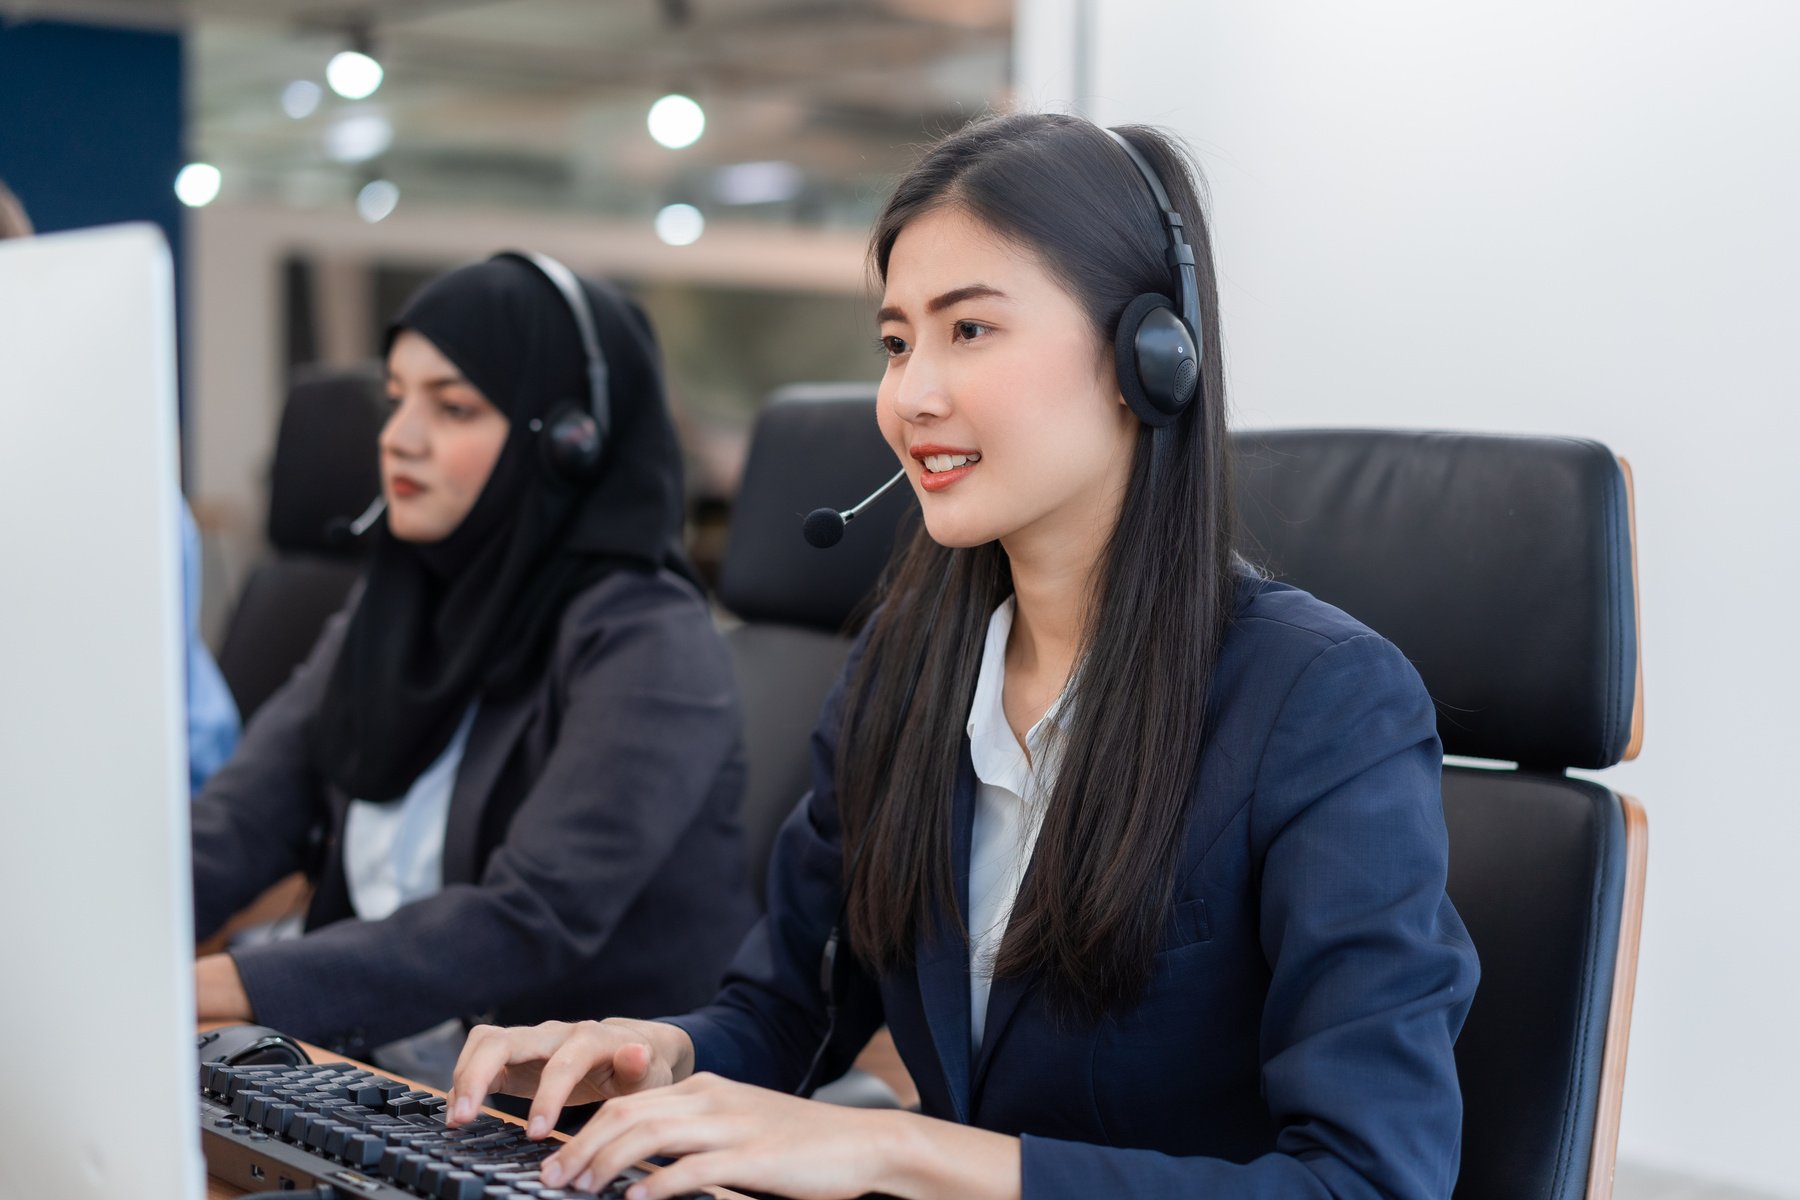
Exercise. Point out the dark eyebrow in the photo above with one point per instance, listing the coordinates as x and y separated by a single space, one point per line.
973 291
442 381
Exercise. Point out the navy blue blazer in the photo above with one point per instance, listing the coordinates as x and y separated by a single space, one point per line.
1296 1037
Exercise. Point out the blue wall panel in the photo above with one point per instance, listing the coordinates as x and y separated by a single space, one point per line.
91 125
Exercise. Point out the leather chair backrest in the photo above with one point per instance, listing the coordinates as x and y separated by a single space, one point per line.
326 466
325 473
1537 871
279 614
1502 567
815 446
812 447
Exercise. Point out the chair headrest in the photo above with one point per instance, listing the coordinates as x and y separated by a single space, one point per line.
1501 566
815 446
326 469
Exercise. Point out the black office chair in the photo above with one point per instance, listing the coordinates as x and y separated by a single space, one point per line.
1503 567
815 446
324 475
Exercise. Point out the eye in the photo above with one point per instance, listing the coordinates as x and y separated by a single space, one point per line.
968 331
891 346
389 403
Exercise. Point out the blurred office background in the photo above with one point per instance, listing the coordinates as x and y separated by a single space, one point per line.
1532 216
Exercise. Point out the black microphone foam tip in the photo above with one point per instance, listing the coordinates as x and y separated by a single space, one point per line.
823 527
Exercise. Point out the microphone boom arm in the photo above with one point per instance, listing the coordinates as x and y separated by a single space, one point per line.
850 513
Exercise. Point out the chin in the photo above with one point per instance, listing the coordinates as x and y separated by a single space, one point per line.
408 530
955 534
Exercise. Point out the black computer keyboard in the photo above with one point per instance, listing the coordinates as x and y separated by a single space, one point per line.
271 1128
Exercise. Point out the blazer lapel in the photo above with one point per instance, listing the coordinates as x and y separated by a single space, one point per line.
1003 1003
943 959
496 731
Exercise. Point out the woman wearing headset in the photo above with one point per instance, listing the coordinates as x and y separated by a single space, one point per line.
1140 857
513 765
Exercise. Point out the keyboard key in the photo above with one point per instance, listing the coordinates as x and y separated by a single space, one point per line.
410 1166
363 1092
460 1185
363 1150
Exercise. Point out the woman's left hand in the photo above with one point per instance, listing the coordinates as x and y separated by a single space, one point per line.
732 1135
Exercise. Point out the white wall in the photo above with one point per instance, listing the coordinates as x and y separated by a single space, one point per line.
1559 217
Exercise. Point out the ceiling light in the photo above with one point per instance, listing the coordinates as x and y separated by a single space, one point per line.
301 98
198 185
676 121
353 74
358 137
680 224
758 182
376 200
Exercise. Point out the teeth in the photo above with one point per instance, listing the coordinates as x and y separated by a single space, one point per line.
949 462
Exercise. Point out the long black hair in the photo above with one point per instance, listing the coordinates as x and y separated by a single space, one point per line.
1090 911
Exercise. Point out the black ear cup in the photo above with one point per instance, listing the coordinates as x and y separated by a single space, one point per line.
572 436
571 442
1155 355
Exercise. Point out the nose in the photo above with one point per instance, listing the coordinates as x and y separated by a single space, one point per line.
921 395
403 436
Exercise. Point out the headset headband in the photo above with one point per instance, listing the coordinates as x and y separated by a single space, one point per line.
1180 256
565 282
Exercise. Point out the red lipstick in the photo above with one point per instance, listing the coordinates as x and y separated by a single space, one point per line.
937 481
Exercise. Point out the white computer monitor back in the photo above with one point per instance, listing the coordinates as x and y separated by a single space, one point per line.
96 932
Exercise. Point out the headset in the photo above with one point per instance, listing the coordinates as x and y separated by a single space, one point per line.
574 435
1156 349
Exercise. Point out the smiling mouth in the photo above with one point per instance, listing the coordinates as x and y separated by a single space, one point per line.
945 469
939 463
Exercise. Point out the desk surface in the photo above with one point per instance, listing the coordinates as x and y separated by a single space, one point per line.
219 1190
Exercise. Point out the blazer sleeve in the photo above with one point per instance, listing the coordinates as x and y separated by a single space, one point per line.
263 814
1371 970
650 720
770 1016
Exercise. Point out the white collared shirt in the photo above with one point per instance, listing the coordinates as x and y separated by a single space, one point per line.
394 855
1010 794
394 849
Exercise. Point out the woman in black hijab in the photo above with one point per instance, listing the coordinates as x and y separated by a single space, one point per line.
513 766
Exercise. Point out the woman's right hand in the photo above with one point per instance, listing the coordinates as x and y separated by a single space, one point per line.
558 1064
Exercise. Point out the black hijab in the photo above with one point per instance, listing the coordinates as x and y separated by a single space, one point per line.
440 624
